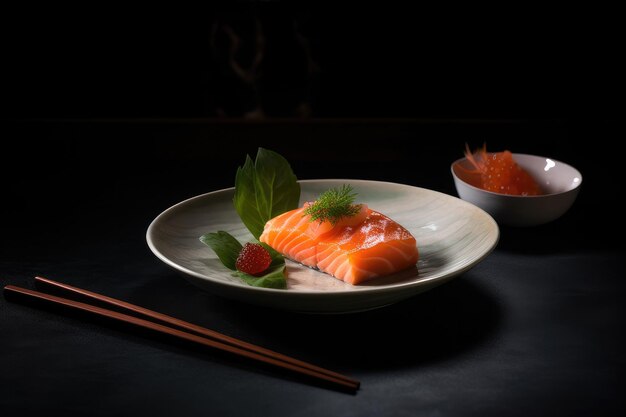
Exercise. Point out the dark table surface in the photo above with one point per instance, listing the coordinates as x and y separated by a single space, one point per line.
537 328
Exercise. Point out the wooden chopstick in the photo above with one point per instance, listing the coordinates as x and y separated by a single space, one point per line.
192 328
250 352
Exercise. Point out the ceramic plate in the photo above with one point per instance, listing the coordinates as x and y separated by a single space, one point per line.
452 236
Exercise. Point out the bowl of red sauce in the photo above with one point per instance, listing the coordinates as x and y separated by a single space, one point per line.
516 189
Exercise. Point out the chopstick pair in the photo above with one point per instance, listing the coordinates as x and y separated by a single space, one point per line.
182 330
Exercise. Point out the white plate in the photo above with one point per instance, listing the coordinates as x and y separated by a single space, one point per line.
452 236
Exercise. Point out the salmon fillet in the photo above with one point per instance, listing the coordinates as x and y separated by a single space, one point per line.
354 252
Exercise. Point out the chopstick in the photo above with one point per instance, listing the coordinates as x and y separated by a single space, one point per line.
196 334
203 331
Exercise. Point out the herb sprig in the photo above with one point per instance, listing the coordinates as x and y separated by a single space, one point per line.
334 204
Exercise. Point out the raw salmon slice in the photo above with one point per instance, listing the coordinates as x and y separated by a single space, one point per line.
373 247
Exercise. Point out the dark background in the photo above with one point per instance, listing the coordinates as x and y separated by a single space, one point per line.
95 97
364 62
111 115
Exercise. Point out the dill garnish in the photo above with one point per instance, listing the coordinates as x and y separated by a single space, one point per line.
334 204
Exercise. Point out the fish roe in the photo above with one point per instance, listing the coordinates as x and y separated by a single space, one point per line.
499 173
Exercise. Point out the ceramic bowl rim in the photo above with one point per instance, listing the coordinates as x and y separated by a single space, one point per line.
576 171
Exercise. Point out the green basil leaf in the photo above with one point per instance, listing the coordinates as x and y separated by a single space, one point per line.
245 199
264 189
277 189
225 246
227 249
277 258
274 278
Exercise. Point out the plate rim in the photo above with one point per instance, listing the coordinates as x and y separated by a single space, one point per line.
306 293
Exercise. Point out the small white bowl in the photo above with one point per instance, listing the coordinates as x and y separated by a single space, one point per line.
558 180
